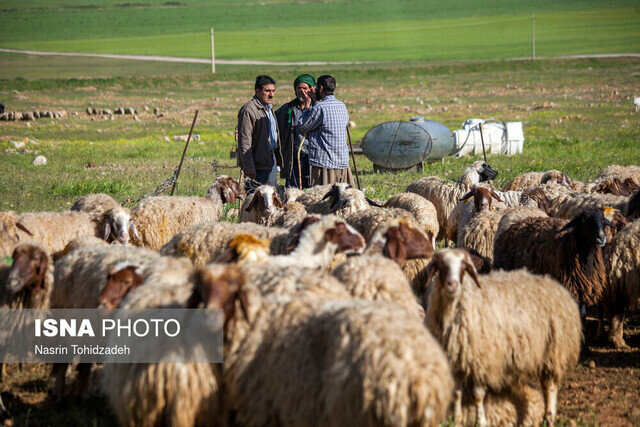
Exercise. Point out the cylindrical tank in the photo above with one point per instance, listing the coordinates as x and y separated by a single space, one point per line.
401 145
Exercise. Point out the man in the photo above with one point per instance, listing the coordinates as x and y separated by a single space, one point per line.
326 127
290 139
258 140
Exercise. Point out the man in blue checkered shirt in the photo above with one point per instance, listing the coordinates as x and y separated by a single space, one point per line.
326 127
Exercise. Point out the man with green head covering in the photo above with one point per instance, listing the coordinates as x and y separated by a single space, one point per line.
288 116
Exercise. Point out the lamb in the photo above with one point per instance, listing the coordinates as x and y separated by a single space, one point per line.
616 179
113 220
177 394
262 206
623 290
534 179
158 219
445 195
423 210
483 199
541 339
358 362
569 251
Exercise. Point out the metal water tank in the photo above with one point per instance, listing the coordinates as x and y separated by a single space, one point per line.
401 145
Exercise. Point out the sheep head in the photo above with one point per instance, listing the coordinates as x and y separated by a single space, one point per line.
117 223
229 189
220 286
345 237
589 227
402 241
451 265
122 278
265 200
28 270
633 206
616 218
482 198
557 177
538 196
297 230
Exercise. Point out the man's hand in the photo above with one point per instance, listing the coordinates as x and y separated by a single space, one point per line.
251 174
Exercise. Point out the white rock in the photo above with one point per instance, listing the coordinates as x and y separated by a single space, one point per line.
40 161
17 144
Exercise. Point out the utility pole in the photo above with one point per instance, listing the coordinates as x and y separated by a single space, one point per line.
213 54
533 36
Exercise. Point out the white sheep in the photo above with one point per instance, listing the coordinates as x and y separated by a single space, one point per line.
616 179
262 206
158 219
423 210
293 213
467 313
534 179
569 207
318 199
445 195
114 220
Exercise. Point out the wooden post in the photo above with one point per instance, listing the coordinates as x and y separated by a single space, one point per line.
184 152
533 36
484 153
353 156
213 54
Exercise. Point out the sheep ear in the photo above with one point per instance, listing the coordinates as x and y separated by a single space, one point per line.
196 298
333 192
107 230
394 247
42 270
227 256
431 271
466 196
277 201
495 196
415 242
244 303
372 203
133 230
569 225
23 228
253 203
471 269
339 204
605 221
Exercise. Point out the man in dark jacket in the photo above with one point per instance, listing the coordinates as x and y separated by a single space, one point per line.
258 139
288 116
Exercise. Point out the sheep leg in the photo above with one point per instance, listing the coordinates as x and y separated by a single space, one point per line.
603 317
550 391
616 331
457 406
478 395
59 373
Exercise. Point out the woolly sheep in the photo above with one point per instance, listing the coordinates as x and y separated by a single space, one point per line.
632 210
317 199
80 242
114 220
348 201
445 195
534 179
571 206
9 238
177 394
541 339
423 210
158 219
616 179
357 362
484 198
292 214
569 251
622 257
262 206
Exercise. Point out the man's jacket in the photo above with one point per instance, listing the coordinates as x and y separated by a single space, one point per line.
284 116
254 151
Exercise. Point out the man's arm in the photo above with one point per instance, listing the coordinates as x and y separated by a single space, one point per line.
309 120
245 138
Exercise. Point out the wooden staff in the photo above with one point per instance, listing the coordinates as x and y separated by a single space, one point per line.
184 152
484 153
353 156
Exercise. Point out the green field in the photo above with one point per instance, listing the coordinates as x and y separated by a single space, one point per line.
357 31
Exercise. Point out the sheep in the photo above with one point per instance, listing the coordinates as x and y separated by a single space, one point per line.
261 207
53 230
445 195
158 219
358 362
423 210
348 201
534 179
540 340
512 216
483 198
292 213
9 238
114 220
80 242
202 243
177 394
571 206
318 199
81 277
623 269
569 251
616 179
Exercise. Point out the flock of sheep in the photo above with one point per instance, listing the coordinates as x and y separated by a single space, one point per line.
339 310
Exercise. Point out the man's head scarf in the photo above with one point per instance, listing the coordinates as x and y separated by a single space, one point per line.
304 78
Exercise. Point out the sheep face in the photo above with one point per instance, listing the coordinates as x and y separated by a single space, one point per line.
404 242
486 172
119 223
265 200
482 198
334 193
345 237
122 278
451 265
28 270
220 286
589 227
556 176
